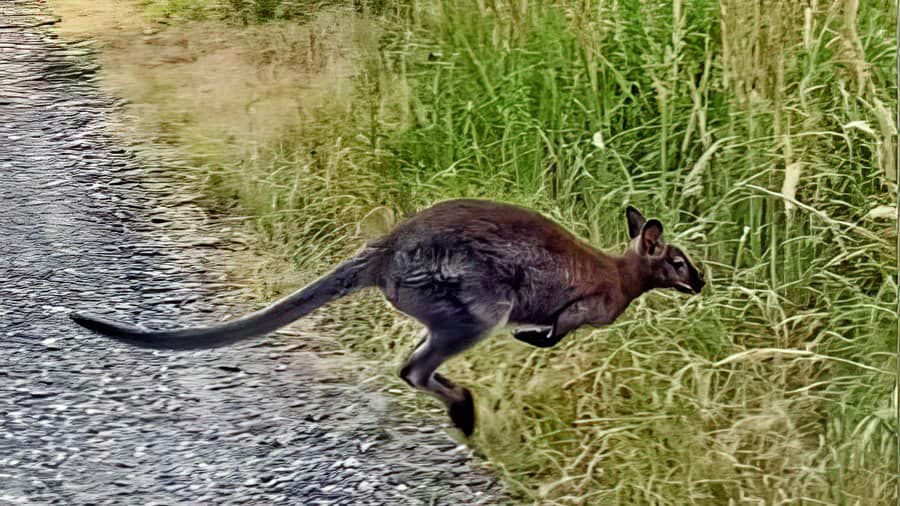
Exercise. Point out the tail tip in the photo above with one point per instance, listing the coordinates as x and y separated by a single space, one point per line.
80 317
92 322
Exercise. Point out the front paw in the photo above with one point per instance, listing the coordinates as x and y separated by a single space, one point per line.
533 334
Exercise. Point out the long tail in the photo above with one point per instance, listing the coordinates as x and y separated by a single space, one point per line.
355 274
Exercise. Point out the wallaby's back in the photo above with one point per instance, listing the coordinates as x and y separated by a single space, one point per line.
505 248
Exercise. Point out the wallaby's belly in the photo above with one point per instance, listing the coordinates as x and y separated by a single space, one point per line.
484 253
532 287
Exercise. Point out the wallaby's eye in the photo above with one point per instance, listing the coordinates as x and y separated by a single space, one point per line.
678 262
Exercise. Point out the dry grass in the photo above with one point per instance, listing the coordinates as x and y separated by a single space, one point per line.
222 91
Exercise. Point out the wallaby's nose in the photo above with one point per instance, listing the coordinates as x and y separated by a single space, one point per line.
701 281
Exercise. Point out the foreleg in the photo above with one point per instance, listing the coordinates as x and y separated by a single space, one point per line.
573 316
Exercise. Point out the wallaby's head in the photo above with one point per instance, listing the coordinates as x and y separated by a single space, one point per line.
668 266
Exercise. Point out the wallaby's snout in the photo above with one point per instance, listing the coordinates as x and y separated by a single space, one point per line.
698 282
685 276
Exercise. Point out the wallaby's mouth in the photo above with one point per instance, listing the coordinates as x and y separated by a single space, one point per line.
683 287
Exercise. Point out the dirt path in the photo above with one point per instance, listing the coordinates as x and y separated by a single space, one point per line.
83 420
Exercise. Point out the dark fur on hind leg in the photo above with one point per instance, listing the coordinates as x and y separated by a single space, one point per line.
404 374
463 413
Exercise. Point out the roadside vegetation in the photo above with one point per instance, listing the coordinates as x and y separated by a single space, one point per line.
760 136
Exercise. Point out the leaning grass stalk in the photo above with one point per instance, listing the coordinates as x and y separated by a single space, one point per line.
757 354
831 221
693 183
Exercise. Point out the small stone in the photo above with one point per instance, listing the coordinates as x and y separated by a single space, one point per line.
350 462
50 343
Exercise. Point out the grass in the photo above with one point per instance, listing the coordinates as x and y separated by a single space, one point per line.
761 136
247 11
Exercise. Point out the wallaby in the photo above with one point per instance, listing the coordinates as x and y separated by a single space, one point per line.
464 268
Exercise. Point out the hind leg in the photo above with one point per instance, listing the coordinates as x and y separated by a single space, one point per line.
442 343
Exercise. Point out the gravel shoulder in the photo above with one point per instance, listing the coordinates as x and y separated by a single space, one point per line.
86 224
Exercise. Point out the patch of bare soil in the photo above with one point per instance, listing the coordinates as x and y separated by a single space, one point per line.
220 91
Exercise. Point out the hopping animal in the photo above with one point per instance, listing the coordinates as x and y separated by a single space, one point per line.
464 268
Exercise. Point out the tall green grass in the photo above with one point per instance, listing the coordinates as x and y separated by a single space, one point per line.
760 133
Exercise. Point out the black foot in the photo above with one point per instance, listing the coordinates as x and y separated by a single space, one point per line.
463 414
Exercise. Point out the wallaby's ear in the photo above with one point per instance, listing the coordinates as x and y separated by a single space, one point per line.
635 221
651 237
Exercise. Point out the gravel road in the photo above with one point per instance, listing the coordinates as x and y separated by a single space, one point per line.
84 223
